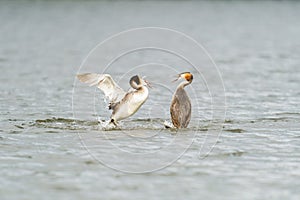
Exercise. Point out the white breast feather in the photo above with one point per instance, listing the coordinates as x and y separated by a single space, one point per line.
131 105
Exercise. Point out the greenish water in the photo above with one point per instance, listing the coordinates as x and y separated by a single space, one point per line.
46 153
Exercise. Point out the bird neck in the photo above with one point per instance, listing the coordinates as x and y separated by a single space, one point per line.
139 88
135 86
142 92
183 84
142 88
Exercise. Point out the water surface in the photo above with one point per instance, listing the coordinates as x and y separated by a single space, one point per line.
256 46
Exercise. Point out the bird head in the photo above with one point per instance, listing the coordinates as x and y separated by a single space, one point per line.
137 82
185 75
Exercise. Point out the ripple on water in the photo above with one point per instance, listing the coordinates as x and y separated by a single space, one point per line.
235 130
53 125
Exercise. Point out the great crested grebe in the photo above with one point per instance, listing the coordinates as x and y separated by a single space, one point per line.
181 108
123 104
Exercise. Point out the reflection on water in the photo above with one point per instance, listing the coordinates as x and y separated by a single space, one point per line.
256 46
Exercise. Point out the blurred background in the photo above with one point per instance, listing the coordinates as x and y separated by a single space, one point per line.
256 46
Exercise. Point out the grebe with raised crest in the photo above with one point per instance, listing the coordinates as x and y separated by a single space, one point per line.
181 107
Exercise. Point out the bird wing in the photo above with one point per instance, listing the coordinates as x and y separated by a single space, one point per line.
180 109
105 83
175 112
187 114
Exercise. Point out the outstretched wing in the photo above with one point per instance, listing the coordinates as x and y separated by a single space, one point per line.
105 83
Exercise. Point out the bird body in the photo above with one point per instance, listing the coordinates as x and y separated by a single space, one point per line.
123 104
130 104
181 107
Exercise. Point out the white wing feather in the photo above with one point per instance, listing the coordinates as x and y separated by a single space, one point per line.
105 83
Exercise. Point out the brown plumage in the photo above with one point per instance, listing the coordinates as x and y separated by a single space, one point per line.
181 108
